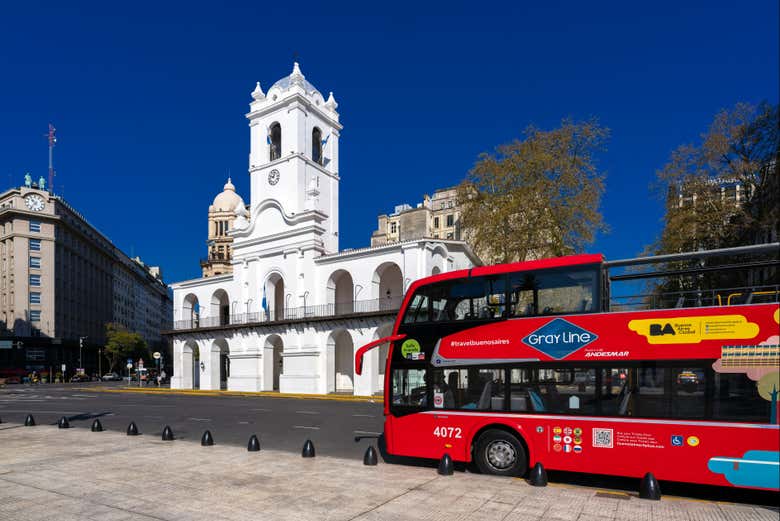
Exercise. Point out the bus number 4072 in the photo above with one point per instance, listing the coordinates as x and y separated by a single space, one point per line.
447 432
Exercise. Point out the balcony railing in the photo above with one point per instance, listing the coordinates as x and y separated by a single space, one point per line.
390 305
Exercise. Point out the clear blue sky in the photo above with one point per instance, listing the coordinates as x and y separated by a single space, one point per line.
149 98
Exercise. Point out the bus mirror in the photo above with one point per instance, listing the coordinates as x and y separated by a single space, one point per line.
362 351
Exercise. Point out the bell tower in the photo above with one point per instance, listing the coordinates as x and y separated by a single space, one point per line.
294 152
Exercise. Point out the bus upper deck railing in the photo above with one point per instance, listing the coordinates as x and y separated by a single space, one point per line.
696 298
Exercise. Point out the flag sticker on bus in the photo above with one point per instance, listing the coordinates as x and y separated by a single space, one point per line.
559 338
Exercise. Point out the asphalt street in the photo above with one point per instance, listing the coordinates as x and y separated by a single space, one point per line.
280 423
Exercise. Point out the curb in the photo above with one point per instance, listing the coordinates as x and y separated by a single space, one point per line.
269 394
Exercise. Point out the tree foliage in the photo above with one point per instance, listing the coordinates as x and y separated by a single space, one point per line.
122 344
739 152
538 197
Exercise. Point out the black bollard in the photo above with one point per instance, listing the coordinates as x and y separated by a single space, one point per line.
649 488
369 458
132 429
167 434
538 476
308 450
207 440
1 420
63 423
446 467
97 426
254 444
29 421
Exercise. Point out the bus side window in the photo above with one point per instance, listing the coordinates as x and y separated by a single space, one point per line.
688 392
474 388
520 397
615 396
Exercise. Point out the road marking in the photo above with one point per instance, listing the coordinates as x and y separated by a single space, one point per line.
306 412
200 419
363 416
368 432
304 427
84 395
261 410
243 423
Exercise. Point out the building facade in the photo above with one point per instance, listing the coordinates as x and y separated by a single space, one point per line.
436 217
62 280
294 308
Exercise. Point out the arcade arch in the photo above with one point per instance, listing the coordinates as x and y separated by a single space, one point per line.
220 307
190 310
190 365
220 346
275 343
340 292
341 344
273 297
388 285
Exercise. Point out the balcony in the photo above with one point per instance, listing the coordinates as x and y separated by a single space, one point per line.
321 311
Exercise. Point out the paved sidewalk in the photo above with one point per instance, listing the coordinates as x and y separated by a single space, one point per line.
48 473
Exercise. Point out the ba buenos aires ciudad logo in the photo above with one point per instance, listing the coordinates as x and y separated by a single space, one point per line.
559 338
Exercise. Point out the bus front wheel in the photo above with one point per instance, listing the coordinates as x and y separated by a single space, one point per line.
501 453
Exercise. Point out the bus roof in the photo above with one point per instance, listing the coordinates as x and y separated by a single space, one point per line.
497 269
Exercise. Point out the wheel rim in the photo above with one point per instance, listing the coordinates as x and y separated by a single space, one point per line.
501 455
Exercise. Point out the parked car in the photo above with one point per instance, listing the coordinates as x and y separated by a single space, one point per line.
111 377
79 378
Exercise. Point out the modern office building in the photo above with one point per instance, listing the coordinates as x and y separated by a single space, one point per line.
61 280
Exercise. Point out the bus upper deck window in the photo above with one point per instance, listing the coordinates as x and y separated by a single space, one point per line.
418 309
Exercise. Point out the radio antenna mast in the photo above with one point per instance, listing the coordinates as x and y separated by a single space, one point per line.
52 140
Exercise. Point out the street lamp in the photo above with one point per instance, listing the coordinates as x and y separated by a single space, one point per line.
247 305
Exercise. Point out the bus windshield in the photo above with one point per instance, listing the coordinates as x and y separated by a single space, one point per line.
550 292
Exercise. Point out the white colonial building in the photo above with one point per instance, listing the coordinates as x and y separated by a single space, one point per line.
294 309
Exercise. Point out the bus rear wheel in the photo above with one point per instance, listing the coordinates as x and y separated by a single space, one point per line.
501 453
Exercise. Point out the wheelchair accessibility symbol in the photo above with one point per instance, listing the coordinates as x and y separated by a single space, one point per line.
677 441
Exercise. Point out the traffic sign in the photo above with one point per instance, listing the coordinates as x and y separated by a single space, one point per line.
129 365
140 362
129 360
156 355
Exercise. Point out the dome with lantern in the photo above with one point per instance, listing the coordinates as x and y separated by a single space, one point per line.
227 200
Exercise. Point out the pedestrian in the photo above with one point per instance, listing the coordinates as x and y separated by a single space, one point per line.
159 377
162 376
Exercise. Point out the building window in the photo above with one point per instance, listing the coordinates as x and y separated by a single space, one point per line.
275 141
449 204
450 220
449 236
393 227
316 145
35 280
35 262
35 315
436 222
35 245
35 226
35 297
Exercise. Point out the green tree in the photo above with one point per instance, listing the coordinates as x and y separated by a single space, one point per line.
122 344
719 193
538 197
724 191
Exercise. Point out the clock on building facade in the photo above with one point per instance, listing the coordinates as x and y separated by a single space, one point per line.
273 177
34 202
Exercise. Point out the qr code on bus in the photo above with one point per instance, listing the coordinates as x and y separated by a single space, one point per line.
602 438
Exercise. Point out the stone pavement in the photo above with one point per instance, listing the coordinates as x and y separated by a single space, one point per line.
74 474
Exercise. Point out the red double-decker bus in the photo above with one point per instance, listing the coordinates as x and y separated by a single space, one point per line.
509 365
